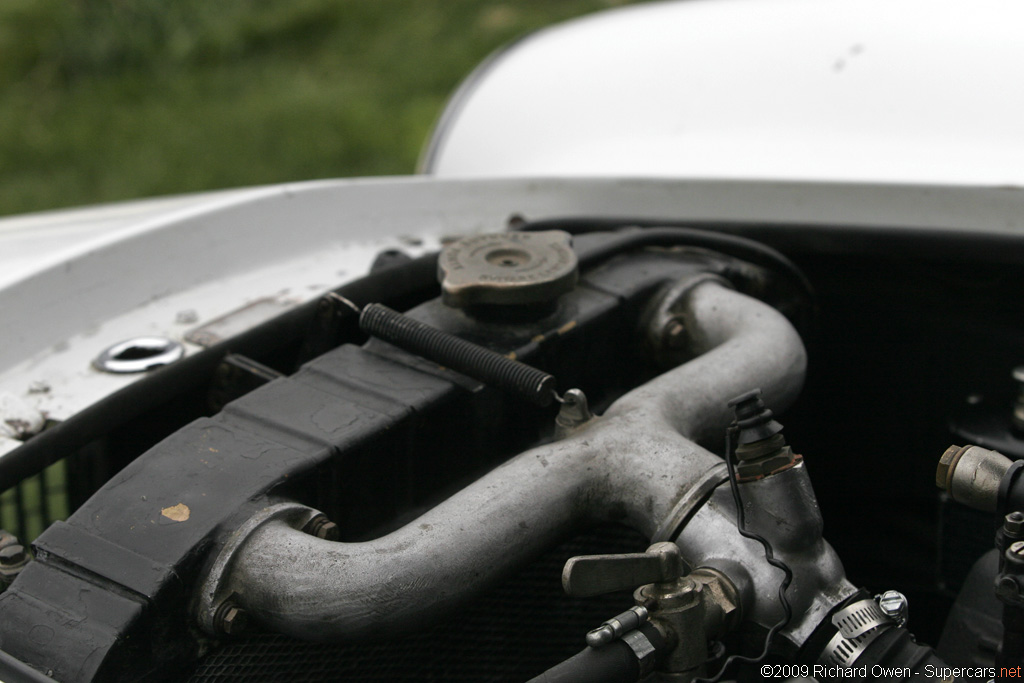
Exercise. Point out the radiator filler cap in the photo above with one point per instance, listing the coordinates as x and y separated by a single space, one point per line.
507 269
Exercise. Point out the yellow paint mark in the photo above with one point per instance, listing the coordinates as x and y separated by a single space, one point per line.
511 355
213 450
176 513
538 339
566 327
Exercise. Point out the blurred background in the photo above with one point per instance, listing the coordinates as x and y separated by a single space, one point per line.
104 100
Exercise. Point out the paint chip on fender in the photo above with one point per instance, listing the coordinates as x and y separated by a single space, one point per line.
176 513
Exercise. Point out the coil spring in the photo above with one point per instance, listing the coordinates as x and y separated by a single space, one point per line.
458 354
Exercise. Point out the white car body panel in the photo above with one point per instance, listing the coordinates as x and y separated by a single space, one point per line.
860 113
167 273
898 91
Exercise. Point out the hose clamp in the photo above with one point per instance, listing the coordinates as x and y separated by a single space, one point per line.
642 649
857 626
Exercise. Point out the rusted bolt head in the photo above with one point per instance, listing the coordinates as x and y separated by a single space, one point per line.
328 530
12 555
231 619
321 527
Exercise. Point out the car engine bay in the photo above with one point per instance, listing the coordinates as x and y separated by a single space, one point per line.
463 467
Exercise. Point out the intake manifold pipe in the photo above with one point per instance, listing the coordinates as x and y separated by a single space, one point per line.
641 463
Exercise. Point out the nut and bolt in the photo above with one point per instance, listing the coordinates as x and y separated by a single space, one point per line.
1013 524
12 556
894 605
230 619
7 538
322 527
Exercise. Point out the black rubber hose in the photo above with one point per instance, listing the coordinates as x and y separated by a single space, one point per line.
1011 652
458 354
895 655
613 663
932 244
191 373
657 234
628 234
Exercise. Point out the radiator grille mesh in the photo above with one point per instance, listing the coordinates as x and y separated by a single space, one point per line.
513 633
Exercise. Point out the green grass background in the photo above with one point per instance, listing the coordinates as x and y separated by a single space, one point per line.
105 100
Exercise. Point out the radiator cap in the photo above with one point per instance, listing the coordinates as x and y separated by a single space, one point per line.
507 269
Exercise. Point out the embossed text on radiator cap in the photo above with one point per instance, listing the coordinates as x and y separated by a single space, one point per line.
513 268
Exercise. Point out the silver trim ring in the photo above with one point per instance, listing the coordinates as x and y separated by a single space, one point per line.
139 355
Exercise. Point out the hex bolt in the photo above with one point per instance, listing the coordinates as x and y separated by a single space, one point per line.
12 556
322 527
230 619
894 605
946 462
1013 524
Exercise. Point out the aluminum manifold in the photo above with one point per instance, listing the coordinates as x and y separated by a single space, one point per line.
645 461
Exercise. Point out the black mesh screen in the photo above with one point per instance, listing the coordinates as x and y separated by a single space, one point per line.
512 633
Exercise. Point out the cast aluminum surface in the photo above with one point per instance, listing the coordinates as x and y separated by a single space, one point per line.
639 458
